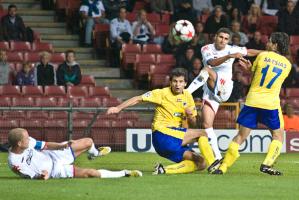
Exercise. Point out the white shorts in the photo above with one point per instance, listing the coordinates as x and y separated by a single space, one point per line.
62 163
221 92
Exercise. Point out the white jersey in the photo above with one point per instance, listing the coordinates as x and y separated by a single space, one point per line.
210 52
32 161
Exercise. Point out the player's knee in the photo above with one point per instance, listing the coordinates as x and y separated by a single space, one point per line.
91 173
206 125
88 142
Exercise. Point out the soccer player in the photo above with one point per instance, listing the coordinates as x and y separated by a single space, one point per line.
34 159
262 104
174 107
216 77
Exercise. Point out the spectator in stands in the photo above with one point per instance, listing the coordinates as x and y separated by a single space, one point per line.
143 30
270 7
45 72
13 25
225 4
4 69
170 44
236 28
216 21
242 5
199 39
92 12
112 8
234 15
202 7
252 22
239 87
186 60
256 42
288 19
290 118
121 32
236 40
196 67
162 6
26 76
69 73
184 10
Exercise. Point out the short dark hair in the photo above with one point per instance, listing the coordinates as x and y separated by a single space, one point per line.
282 40
12 6
67 52
179 72
224 30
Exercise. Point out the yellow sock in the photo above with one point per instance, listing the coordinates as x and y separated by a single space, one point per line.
206 150
230 157
186 166
273 152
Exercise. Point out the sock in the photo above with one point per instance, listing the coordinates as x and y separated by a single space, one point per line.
93 151
206 150
198 81
230 157
213 142
186 166
110 174
273 152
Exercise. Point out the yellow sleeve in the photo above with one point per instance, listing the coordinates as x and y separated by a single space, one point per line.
191 105
154 96
256 61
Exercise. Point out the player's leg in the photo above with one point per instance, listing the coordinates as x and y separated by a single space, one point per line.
86 144
208 119
102 173
205 75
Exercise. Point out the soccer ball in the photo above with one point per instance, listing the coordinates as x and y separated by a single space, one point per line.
183 30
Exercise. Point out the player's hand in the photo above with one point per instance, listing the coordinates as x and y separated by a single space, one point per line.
112 110
236 55
245 63
189 112
44 175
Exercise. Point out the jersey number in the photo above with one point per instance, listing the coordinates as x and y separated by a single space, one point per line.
276 70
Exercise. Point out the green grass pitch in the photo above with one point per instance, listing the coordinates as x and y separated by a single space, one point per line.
243 181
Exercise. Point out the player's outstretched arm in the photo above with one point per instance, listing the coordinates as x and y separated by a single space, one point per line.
218 61
253 52
130 102
246 64
190 118
57 146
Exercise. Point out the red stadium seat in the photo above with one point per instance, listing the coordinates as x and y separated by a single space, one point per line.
22 101
99 91
152 48
4 46
37 115
20 46
142 67
83 115
87 80
55 91
65 102
153 18
9 123
142 124
36 36
58 115
131 17
34 128
162 29
32 91
32 57
55 130
102 136
5 101
42 46
133 116
77 91
46 101
165 19
160 69
124 123
294 39
57 58
166 59
112 101
292 92
158 81
14 114
14 57
268 24
101 35
138 6
129 52
10 90
91 102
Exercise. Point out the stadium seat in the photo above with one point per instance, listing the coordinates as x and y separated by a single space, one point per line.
162 30
119 138
23 101
294 39
15 57
99 91
142 124
129 52
34 128
294 102
32 91
158 81
65 102
9 123
5 101
268 24
55 130
152 48
36 36
58 115
42 46
55 91
83 115
4 46
166 59
165 19
14 115
87 80
91 102
160 69
292 92
57 58
142 66
131 17
20 46
37 115
10 90
46 102
32 57
79 126
138 6
101 36
102 136
77 91
153 18
133 116
112 101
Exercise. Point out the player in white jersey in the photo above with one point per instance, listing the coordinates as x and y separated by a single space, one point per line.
34 159
216 79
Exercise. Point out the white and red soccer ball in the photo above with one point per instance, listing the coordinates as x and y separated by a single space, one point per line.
183 30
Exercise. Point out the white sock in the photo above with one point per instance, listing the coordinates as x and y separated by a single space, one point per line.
111 174
213 142
93 151
198 81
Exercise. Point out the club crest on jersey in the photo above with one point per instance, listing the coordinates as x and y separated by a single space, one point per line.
148 94
29 157
179 100
222 81
178 114
184 103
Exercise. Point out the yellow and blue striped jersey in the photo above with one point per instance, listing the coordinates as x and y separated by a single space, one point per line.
170 108
270 70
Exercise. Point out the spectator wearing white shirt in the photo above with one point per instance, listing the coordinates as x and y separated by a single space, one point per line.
143 31
120 33
202 6
92 12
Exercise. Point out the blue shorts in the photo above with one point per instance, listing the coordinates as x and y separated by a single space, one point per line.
168 146
250 116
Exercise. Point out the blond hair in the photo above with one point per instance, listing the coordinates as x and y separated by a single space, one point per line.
15 135
45 54
251 15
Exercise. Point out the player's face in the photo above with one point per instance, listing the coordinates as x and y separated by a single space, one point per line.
177 84
221 40
24 143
